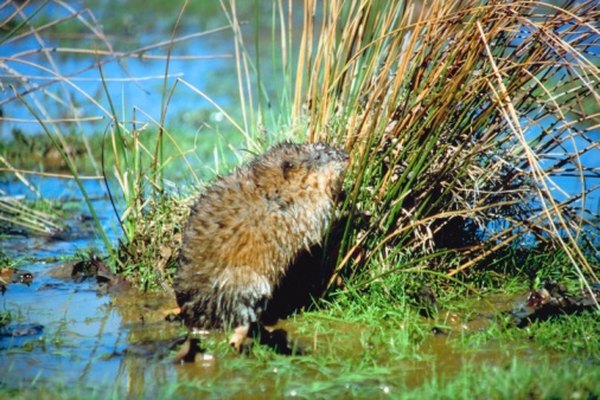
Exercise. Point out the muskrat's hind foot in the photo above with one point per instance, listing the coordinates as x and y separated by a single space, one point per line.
188 351
240 334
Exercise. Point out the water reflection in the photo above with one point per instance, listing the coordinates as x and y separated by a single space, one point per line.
88 337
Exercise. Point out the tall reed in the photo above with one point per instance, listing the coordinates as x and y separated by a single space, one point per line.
466 120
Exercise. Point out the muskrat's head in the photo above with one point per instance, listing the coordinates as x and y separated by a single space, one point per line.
299 167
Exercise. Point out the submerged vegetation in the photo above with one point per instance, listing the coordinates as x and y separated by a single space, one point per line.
473 133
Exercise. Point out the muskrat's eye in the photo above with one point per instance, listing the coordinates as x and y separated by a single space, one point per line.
286 165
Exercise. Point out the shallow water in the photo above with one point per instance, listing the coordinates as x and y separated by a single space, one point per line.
120 340
87 336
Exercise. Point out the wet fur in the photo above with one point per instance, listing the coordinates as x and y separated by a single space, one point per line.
246 230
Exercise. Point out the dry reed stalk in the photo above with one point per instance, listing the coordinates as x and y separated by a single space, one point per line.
461 119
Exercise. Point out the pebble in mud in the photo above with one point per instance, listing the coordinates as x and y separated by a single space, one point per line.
19 330
25 278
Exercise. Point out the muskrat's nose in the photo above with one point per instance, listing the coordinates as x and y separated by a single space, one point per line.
338 154
344 154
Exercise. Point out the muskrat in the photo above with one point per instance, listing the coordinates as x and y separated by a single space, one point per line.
247 229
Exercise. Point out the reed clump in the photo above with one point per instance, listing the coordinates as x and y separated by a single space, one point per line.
467 122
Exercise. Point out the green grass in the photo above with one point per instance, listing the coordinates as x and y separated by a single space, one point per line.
544 379
561 336
366 344
5 318
516 379
5 261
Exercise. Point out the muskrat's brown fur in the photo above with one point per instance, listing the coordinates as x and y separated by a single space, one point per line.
246 229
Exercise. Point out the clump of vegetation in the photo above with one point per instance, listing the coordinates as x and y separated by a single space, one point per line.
5 261
5 318
149 257
465 121
41 217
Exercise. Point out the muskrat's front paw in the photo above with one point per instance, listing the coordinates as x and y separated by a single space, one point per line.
239 336
242 347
